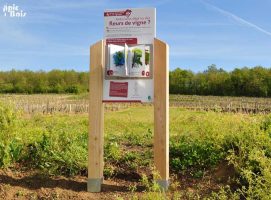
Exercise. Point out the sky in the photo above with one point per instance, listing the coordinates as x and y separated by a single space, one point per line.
57 34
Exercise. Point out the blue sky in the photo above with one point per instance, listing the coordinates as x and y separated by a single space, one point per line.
57 34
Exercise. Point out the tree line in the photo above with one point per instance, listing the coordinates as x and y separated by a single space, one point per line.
213 81
254 82
55 81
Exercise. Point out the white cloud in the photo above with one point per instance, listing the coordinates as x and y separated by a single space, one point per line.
50 49
192 23
12 33
224 51
237 18
156 3
60 4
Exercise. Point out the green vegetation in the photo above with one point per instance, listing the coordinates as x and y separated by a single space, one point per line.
199 143
255 82
147 57
137 54
55 81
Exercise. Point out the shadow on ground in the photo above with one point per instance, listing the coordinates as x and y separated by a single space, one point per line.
38 181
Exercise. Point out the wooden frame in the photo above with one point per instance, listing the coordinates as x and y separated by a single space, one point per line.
96 115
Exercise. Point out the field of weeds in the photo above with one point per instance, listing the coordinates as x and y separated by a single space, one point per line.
213 155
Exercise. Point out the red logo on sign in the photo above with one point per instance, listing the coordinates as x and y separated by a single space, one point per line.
126 13
121 41
118 89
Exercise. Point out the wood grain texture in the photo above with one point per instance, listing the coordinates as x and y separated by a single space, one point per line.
96 112
161 109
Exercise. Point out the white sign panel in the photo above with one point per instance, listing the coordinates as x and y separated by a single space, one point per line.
129 35
131 26
128 91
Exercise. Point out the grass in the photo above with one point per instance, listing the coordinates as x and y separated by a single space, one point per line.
199 142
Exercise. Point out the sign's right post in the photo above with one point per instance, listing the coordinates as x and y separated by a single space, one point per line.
161 112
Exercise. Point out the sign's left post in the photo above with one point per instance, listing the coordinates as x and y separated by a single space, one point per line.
96 118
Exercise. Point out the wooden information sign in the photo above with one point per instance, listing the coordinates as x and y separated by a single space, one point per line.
128 85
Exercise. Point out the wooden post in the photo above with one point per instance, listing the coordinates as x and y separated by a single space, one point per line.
161 112
96 118
96 115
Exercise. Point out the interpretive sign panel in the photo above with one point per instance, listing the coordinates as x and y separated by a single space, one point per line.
129 36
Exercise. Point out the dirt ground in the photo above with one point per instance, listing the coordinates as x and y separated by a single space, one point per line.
31 185
18 184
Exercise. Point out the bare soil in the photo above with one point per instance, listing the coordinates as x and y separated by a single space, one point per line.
32 185
17 184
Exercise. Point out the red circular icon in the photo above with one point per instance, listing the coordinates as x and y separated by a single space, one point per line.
143 73
147 73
